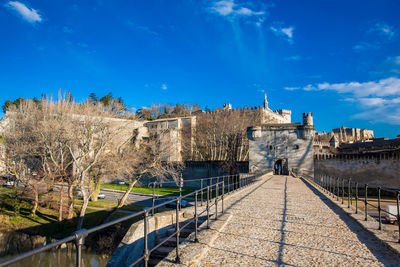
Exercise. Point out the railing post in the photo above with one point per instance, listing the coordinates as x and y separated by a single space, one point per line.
379 208
398 211
201 184
356 197
342 191
195 217
223 193
216 201
366 202
338 188
177 259
229 184
348 194
180 195
154 195
79 242
208 206
146 230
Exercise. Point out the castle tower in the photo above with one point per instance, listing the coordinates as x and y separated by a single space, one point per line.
265 101
307 119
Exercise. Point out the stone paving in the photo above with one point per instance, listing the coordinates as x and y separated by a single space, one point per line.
285 222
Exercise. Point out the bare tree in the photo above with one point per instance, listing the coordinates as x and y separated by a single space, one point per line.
132 161
222 136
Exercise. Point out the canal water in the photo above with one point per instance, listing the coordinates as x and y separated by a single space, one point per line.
60 258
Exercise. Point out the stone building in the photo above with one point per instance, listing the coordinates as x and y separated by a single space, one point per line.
176 136
287 145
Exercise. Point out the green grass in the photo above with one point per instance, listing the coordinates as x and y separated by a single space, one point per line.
98 204
149 190
15 215
6 190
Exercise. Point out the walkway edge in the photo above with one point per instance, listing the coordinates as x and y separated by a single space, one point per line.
192 253
385 236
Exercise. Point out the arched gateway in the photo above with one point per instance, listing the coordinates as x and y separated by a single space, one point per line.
281 167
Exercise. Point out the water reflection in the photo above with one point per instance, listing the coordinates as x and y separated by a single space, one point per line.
60 258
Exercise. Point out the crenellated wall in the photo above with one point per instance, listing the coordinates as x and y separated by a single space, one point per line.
375 168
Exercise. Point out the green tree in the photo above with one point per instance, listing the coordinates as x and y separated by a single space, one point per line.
94 98
7 105
106 100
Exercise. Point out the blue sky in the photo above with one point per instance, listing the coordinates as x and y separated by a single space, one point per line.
337 59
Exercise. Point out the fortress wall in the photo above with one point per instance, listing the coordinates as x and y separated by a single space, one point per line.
291 143
383 171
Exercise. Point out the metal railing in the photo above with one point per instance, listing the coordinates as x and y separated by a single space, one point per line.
232 181
347 189
219 188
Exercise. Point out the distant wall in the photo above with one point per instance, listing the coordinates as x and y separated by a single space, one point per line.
292 143
375 169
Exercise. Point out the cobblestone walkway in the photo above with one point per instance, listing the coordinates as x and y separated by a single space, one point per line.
285 222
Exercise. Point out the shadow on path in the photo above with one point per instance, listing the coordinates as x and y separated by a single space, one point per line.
282 230
371 242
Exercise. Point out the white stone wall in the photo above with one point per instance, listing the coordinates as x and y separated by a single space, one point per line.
291 143
383 172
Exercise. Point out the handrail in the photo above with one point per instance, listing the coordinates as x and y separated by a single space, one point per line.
79 236
331 185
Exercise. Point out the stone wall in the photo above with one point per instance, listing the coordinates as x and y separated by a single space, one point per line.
131 246
292 143
379 169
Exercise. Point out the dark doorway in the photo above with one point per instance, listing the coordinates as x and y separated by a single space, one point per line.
280 167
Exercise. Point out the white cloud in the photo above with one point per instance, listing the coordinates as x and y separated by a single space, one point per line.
281 31
67 29
293 58
365 46
291 88
383 29
164 86
29 14
230 8
379 99
385 87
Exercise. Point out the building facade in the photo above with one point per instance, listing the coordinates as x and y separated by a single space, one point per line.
282 147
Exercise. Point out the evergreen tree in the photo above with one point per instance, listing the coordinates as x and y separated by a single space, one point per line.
93 97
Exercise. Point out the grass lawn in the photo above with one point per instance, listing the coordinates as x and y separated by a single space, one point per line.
15 215
149 190
7 190
98 204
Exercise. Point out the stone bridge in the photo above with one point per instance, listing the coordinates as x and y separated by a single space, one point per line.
282 220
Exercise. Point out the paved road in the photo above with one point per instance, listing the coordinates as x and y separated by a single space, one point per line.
132 199
285 222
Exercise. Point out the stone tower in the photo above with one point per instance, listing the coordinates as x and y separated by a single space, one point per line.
308 119
265 101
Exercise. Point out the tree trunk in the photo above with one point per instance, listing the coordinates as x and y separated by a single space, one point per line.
35 201
126 194
96 190
60 209
83 208
70 202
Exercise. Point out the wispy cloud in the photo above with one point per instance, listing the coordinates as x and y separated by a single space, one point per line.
365 46
286 32
383 29
29 14
385 87
296 58
291 88
67 29
164 86
379 99
228 8
147 30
